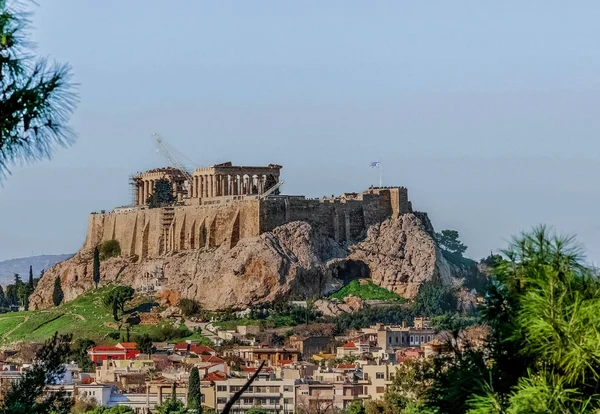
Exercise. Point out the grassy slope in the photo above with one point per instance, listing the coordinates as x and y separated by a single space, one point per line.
84 318
365 291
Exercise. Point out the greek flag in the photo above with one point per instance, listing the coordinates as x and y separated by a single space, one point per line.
375 164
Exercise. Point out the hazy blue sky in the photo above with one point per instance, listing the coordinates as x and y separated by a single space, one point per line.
486 111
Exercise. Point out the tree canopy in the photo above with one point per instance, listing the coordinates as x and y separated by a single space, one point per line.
543 352
29 394
162 194
36 97
449 242
116 298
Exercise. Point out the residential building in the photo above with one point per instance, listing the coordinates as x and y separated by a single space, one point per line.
314 396
121 351
378 378
309 345
254 354
272 395
113 371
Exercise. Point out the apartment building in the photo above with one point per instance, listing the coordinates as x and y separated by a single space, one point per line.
271 394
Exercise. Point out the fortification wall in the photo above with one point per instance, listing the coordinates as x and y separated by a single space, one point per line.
344 220
153 232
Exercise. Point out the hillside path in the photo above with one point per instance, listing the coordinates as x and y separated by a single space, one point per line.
7 334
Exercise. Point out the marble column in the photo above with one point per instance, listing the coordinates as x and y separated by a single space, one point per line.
145 192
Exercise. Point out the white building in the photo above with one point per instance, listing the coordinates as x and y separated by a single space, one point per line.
272 395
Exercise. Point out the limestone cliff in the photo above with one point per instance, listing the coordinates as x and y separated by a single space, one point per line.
292 261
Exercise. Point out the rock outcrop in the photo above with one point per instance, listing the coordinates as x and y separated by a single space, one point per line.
399 254
292 262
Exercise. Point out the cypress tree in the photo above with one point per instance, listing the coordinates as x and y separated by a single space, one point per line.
57 294
96 273
194 397
2 298
31 278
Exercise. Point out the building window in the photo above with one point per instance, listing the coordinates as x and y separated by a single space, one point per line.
221 400
380 390
287 388
221 388
390 340
235 388
402 339
411 339
274 401
396 339
428 338
422 339
248 401
287 401
379 375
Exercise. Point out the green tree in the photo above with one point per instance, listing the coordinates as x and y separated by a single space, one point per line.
23 292
108 249
543 353
36 98
29 395
189 307
144 344
172 405
96 267
256 410
57 294
79 353
449 243
194 397
119 409
162 195
2 298
31 283
12 296
116 298
433 299
355 407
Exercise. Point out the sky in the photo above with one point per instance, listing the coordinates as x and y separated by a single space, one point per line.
486 111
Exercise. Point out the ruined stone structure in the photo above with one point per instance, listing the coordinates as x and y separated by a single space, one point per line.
220 180
224 204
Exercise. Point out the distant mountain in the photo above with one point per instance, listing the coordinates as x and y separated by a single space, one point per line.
21 266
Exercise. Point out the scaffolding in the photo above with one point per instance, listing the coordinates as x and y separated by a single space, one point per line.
133 189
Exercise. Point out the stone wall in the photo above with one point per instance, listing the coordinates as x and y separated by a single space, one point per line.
154 232
151 233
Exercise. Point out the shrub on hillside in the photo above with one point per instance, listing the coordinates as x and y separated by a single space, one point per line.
109 248
189 307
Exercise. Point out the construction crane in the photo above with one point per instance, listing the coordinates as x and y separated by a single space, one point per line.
172 160
270 190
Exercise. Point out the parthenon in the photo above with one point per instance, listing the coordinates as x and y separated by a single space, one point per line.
219 180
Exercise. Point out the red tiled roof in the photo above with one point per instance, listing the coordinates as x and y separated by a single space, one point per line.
349 345
285 361
346 366
201 349
211 358
106 348
215 376
127 345
181 346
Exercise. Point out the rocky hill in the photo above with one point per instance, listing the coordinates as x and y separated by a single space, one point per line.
292 261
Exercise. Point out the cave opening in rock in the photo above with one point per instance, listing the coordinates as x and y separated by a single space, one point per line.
349 270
